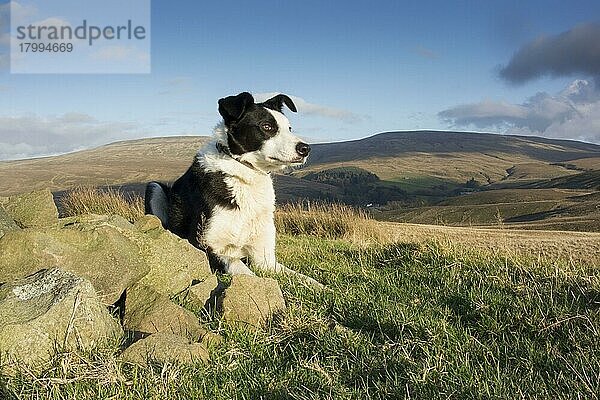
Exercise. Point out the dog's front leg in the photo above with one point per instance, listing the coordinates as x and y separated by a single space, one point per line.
262 250
262 256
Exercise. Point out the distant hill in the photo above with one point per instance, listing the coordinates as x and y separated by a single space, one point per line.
391 144
408 176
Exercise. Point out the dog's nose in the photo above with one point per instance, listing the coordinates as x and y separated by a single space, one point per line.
302 149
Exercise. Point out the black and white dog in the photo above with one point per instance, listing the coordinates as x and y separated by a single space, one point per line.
225 201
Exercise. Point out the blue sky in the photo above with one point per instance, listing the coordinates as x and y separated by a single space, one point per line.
357 67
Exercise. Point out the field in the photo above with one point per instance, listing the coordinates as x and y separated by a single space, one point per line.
428 177
546 209
413 312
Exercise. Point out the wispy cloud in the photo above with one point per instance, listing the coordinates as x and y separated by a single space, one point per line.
18 13
307 108
426 53
31 135
574 113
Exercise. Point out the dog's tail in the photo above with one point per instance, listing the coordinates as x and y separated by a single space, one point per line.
156 201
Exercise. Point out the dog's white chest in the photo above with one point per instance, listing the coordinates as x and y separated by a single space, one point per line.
236 230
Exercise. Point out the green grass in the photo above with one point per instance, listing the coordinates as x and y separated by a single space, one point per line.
423 184
401 321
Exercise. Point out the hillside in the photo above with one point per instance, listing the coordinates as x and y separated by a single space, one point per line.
416 176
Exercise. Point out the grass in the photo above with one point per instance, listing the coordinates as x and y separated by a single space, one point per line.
329 221
92 200
406 318
402 321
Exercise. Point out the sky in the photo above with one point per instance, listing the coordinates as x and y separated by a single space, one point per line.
353 68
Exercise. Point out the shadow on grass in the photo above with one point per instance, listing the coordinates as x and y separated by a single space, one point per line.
5 394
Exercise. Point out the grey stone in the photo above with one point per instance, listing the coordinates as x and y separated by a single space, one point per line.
88 222
174 263
48 311
107 250
201 293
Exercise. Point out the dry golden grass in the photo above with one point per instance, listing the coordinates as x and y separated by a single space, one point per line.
342 222
562 247
330 221
337 221
92 200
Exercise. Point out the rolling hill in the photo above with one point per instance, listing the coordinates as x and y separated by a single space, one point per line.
455 178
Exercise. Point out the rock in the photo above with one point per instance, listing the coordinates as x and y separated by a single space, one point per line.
165 348
252 300
49 310
30 210
6 223
102 255
148 223
108 251
148 311
174 263
201 293
88 222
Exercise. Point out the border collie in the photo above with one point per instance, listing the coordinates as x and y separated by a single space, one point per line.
225 201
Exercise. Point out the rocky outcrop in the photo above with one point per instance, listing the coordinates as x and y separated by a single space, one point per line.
102 255
174 263
49 310
252 300
106 260
108 251
165 348
31 210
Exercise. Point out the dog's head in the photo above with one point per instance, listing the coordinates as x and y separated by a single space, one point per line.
259 133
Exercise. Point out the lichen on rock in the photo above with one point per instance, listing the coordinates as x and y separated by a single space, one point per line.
48 311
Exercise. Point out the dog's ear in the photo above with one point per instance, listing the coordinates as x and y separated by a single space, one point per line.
277 102
232 108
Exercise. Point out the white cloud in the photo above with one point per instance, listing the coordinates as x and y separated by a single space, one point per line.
307 108
31 135
10 151
574 113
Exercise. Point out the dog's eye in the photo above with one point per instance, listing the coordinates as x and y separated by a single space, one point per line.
267 127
